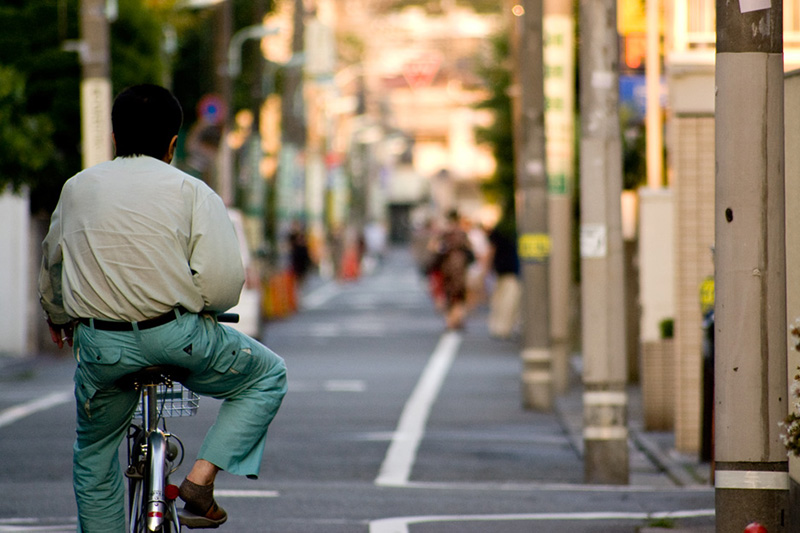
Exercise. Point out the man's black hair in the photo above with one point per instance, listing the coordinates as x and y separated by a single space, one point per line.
145 118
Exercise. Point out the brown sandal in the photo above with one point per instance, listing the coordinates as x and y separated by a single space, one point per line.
201 510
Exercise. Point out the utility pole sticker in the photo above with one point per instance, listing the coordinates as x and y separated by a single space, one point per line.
746 6
593 241
534 247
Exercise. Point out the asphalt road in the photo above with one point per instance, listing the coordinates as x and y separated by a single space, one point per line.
391 425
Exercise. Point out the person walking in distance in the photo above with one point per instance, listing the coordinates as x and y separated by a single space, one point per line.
138 260
505 299
453 257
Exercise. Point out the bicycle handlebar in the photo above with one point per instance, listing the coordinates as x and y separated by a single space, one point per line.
228 317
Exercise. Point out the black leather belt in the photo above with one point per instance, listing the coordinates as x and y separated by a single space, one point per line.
111 325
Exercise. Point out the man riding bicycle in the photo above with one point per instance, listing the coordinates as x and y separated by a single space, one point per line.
138 260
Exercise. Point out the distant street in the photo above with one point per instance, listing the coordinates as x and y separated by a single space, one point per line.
391 425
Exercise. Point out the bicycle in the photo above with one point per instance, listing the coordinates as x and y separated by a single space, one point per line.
153 452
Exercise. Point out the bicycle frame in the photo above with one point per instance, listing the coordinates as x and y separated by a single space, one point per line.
157 444
150 508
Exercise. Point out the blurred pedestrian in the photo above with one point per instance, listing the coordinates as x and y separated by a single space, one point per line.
453 257
375 245
479 267
505 299
298 251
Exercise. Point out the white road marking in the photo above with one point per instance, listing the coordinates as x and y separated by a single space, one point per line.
38 529
12 414
545 486
400 524
400 457
345 385
320 296
330 385
35 525
231 493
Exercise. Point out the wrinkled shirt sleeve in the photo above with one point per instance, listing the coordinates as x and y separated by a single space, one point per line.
50 293
214 256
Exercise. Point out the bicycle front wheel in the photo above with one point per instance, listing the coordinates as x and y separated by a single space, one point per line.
139 510
151 511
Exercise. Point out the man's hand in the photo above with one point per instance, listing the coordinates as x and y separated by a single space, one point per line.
61 333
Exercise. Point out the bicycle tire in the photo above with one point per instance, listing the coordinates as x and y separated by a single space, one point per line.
139 512
139 499
137 508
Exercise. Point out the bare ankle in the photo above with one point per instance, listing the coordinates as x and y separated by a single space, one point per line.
203 473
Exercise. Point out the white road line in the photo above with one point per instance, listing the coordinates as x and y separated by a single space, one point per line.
535 486
320 296
233 493
38 529
400 524
400 457
35 525
345 385
12 414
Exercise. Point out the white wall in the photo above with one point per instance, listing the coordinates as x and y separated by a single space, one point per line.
14 278
656 263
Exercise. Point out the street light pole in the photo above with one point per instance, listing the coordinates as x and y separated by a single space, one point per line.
256 31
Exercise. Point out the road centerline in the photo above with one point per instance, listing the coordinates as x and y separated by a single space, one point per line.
400 456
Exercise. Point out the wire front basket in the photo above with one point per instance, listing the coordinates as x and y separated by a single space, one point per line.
174 401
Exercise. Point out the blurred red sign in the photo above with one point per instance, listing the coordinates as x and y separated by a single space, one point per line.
420 72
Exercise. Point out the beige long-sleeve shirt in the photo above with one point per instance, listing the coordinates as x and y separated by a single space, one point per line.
131 239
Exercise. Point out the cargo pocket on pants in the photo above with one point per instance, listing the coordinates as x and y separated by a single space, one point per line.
239 360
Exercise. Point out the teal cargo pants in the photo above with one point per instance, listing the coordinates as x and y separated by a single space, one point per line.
223 364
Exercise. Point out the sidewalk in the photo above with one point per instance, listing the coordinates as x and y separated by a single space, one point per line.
653 458
653 453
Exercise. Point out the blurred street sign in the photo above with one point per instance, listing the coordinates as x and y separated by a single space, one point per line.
211 109
96 121
421 71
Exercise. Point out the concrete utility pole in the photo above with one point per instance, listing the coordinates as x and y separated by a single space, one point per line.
752 482
291 172
534 240
96 95
605 399
223 28
559 92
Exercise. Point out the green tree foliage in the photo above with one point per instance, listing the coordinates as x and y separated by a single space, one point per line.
137 38
26 139
41 120
32 39
495 70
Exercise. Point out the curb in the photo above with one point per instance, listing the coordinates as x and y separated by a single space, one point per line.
680 473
